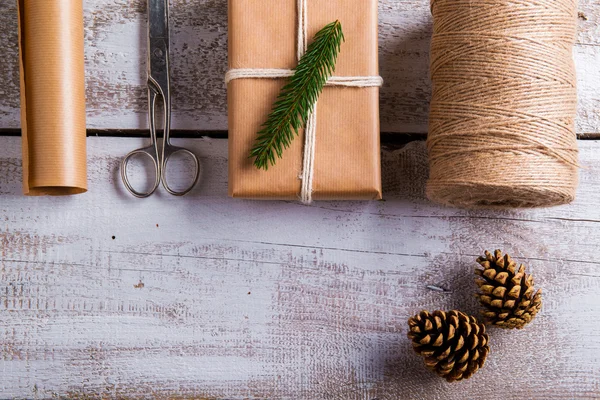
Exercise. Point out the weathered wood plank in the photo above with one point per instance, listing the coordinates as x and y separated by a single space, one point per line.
211 297
115 59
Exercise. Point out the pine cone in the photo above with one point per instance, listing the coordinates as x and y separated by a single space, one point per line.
453 344
506 293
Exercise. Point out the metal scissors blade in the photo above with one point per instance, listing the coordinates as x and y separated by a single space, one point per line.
158 48
159 86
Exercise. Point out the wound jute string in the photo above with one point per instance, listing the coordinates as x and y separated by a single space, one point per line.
310 130
502 118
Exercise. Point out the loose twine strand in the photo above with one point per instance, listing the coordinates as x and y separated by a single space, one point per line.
501 125
310 130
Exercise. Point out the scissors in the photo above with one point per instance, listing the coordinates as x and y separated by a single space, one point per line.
159 86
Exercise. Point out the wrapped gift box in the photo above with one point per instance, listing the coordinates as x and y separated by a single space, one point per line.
263 35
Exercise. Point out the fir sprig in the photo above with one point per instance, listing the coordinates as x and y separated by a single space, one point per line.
298 97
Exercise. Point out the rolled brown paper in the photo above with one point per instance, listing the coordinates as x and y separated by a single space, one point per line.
52 97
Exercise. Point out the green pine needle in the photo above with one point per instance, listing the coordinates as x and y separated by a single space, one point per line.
298 97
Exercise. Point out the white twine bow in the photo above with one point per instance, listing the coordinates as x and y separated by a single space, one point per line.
310 130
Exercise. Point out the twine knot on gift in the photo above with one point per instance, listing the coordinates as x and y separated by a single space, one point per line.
310 130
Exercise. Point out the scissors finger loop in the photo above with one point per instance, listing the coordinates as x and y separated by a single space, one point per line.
169 151
147 152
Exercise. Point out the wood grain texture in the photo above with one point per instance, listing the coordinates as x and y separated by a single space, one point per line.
116 54
104 295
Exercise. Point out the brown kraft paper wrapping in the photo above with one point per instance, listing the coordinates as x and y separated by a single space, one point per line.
262 34
52 97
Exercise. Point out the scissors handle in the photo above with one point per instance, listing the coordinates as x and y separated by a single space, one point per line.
168 151
150 152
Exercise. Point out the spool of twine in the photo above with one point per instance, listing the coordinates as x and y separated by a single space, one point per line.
502 119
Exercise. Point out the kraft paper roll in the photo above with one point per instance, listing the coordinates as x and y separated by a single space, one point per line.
52 97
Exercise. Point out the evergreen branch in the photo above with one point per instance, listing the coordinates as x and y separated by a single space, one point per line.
298 97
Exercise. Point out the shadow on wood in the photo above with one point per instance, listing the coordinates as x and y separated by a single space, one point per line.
404 64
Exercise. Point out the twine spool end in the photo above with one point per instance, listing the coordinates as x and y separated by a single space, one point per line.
492 196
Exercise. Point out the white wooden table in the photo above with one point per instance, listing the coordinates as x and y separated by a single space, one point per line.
104 295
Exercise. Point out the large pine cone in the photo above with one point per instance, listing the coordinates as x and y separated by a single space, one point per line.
453 344
506 293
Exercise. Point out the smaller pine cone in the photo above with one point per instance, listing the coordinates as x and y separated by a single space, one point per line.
506 292
453 344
